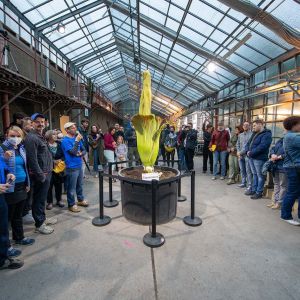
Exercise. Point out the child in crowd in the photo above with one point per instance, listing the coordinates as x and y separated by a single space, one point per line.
121 151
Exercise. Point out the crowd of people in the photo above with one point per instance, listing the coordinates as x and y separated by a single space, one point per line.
247 155
34 161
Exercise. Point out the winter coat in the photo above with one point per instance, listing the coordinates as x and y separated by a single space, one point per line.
39 158
171 140
291 142
108 142
180 138
259 144
98 146
85 140
242 141
232 144
278 150
130 137
191 139
11 162
220 139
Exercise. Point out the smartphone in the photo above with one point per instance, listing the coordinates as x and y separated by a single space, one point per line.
10 181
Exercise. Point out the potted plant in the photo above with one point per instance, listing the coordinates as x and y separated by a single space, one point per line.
136 194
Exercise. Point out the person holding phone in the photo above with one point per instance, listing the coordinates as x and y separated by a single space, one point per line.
14 155
74 150
6 262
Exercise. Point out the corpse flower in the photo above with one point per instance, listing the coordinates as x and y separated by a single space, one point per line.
148 127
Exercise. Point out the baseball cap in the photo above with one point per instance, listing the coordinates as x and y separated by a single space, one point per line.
69 124
37 115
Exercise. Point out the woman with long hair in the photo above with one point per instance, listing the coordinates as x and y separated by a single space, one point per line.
95 139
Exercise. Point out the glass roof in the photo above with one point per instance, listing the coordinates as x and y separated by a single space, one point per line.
112 41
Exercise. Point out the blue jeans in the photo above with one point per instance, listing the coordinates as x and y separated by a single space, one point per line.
74 185
259 179
181 156
242 164
222 155
249 173
4 235
96 160
292 193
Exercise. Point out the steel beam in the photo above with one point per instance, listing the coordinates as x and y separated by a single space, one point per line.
172 70
14 97
76 61
68 15
181 40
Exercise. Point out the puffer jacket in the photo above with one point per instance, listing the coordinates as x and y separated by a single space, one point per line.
291 143
259 144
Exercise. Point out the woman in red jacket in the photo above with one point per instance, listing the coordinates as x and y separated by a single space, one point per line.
110 145
220 139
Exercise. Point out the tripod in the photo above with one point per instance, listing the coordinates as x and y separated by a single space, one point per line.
7 53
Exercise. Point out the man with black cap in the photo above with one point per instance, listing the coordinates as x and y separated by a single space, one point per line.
40 166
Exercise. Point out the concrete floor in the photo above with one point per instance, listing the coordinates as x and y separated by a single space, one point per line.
241 251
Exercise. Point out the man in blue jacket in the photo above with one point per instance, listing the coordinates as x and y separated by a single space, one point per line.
257 150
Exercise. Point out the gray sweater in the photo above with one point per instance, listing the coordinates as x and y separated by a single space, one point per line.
242 141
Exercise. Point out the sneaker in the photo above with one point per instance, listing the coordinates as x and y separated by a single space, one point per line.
13 252
256 196
28 219
214 178
50 221
249 193
242 185
49 206
204 172
292 222
83 203
222 178
230 182
12 264
276 206
74 209
44 229
96 176
60 204
25 242
271 204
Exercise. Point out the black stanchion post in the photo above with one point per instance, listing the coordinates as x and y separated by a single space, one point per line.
192 220
102 220
154 239
180 197
110 202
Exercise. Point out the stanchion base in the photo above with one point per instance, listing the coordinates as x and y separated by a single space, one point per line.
97 221
181 198
112 203
192 222
153 242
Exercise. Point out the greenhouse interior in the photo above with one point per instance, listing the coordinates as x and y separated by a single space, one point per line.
127 124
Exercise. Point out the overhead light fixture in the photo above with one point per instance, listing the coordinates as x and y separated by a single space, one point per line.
211 67
61 28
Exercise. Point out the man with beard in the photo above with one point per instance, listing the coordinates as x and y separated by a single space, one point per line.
40 166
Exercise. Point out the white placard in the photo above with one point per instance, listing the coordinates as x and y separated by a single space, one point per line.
150 176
